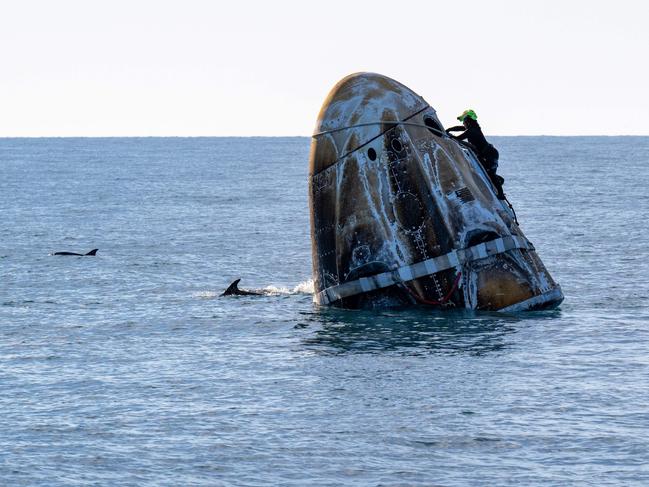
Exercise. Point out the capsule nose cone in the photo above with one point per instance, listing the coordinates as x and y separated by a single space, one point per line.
357 100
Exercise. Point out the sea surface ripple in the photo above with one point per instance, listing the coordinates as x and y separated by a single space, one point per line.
128 369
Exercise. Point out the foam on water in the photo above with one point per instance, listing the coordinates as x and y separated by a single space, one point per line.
305 287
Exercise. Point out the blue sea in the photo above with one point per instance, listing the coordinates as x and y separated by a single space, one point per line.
128 368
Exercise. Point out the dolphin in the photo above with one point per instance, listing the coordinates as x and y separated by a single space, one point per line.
93 252
233 290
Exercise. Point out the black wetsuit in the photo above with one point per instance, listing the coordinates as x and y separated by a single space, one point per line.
486 152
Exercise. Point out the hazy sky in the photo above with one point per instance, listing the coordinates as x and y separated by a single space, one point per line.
92 68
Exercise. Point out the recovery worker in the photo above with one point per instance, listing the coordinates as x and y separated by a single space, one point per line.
487 153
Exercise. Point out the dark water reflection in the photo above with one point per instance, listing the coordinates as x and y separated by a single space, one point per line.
413 331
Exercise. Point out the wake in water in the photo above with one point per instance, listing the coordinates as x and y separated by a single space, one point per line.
305 287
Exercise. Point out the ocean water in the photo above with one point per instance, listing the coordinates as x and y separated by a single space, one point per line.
129 369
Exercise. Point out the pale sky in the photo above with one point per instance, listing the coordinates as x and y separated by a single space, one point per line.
155 68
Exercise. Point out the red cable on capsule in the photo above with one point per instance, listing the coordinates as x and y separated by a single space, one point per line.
441 301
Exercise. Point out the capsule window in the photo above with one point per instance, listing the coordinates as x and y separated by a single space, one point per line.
396 145
433 124
371 153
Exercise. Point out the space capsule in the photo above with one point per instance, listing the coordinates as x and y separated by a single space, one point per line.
403 214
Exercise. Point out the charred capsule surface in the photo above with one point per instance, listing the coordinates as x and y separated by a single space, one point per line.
403 214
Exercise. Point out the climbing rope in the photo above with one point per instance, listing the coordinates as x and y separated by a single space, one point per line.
441 133
385 122
511 207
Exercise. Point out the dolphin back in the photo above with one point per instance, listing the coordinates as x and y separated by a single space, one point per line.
93 252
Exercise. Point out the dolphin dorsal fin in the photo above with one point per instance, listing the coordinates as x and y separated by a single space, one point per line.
92 252
232 288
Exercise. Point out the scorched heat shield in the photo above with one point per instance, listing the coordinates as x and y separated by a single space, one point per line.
403 214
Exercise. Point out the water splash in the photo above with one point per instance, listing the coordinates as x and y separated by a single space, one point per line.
304 287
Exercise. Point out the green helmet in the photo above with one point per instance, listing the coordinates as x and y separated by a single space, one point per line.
467 113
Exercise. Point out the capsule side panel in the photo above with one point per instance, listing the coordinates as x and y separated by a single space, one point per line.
323 210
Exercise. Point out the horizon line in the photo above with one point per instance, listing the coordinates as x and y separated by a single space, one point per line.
269 136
